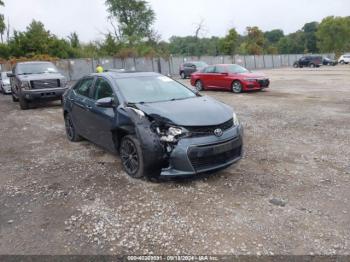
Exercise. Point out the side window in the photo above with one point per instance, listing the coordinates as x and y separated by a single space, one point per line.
84 87
102 89
209 69
220 69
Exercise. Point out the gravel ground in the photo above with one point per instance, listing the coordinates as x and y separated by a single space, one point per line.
289 195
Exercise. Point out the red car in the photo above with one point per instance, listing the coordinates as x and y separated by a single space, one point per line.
228 77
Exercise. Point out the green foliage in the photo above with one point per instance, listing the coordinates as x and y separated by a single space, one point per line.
310 30
134 19
331 35
255 41
334 34
228 44
274 36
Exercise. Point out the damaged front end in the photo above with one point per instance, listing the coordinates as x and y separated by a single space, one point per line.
158 137
172 150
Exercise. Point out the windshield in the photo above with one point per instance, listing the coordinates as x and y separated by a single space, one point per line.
200 64
237 69
152 89
36 68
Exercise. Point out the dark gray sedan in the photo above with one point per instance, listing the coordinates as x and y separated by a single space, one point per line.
159 126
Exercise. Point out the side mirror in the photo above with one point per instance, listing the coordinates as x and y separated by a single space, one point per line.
10 75
107 102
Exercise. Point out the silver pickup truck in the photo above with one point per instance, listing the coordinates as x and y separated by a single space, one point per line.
32 81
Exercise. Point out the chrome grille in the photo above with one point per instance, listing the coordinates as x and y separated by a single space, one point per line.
43 84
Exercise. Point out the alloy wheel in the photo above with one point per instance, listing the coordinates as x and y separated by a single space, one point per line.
129 156
70 131
236 87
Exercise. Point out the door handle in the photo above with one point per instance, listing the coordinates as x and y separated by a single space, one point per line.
89 107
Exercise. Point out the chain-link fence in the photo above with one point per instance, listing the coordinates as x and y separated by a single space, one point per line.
74 69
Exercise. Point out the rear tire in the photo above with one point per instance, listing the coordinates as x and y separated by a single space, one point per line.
312 65
199 85
23 103
342 62
183 75
71 132
237 87
295 65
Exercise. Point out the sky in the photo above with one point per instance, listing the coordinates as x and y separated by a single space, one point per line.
174 17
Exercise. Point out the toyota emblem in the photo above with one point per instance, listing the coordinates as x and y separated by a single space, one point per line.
218 132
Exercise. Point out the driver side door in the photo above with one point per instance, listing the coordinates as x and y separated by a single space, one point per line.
103 120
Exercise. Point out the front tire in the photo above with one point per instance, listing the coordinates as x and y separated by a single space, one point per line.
342 62
237 87
199 85
23 103
295 65
14 99
131 156
71 132
312 65
183 75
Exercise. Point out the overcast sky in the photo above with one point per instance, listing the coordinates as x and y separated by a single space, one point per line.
175 17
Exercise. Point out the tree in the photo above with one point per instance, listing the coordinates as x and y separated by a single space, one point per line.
110 46
333 34
2 24
134 19
74 40
274 36
255 41
310 30
228 44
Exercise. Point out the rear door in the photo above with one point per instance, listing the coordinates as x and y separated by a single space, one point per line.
103 119
81 101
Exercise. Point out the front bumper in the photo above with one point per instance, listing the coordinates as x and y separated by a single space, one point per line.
45 94
198 155
6 89
256 85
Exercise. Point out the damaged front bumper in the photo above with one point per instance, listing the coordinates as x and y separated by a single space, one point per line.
195 155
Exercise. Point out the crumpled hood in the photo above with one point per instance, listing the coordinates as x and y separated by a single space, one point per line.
198 111
252 75
41 77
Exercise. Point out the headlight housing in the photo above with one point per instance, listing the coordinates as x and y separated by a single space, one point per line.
172 134
235 120
25 85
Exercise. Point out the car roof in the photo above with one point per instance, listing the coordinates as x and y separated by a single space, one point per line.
126 74
33 62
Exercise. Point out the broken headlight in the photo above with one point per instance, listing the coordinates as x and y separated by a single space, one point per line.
171 134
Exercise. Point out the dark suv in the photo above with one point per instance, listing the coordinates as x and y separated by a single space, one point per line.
32 81
159 126
309 61
186 69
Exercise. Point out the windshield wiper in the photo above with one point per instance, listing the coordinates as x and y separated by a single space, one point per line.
21 74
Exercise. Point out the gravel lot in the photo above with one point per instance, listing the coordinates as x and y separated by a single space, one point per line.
289 195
